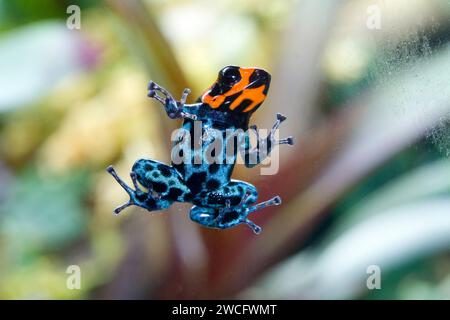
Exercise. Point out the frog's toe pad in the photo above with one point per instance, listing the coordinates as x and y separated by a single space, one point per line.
256 229
281 117
276 200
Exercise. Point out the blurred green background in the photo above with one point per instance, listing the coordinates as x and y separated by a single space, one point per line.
367 182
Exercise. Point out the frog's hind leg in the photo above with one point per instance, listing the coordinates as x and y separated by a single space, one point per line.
137 197
163 186
229 206
162 179
231 216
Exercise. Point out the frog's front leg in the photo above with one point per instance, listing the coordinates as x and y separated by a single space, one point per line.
264 146
174 109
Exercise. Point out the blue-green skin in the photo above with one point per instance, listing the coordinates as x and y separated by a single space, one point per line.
219 201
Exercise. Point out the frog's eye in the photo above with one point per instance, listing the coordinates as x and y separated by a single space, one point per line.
229 75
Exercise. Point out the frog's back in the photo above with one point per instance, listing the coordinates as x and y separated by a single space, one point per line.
207 166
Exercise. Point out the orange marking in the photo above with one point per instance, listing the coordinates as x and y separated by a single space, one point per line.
216 101
255 95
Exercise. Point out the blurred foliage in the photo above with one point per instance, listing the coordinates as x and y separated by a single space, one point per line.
366 183
21 12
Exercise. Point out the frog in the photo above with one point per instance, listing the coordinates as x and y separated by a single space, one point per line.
218 200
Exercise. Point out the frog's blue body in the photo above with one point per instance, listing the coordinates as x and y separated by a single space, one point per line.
219 201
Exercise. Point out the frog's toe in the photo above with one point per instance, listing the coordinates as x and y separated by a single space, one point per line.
128 190
123 206
288 140
256 229
275 201
281 117
113 172
184 95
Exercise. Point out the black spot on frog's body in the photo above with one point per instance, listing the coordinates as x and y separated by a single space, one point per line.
195 182
151 203
159 187
230 216
213 168
212 184
155 174
164 170
180 169
174 193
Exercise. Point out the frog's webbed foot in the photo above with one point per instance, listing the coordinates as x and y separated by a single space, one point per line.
174 108
138 197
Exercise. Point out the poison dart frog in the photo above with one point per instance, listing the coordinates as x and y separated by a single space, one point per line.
219 201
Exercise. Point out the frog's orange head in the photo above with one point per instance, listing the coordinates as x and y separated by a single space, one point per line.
237 89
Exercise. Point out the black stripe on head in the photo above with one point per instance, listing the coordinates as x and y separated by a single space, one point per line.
244 104
229 100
